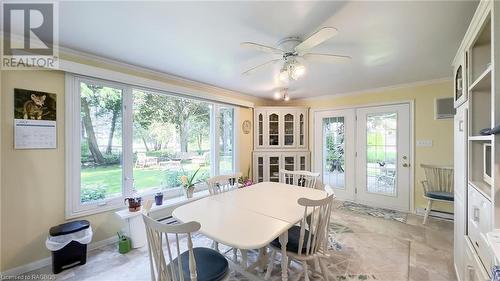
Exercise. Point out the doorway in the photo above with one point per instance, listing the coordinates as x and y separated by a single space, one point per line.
364 154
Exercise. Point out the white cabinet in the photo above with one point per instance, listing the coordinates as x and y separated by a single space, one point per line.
460 183
479 224
280 141
280 128
267 164
473 270
476 80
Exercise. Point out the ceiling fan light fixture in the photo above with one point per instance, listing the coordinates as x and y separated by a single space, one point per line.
297 71
283 76
277 95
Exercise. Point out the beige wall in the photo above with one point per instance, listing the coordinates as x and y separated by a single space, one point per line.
426 128
33 191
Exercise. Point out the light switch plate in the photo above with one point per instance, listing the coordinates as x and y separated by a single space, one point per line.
424 143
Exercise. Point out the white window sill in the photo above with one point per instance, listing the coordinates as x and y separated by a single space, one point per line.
167 203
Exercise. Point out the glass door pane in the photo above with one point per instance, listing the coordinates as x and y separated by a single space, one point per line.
302 163
260 169
274 130
261 129
333 151
381 153
289 130
290 163
274 168
301 129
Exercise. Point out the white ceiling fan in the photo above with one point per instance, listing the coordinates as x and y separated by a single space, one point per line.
292 49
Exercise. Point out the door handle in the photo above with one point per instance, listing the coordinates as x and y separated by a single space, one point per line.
461 125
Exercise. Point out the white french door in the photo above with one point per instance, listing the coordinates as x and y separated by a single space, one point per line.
335 149
363 154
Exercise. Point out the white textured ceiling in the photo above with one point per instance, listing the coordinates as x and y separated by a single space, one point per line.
390 42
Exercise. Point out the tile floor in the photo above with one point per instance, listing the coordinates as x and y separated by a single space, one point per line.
372 249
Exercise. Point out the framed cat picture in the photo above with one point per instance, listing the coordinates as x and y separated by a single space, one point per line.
35 119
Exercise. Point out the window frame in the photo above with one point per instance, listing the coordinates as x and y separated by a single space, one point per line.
74 208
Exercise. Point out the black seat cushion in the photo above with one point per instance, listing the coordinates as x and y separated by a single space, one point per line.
210 265
293 240
440 195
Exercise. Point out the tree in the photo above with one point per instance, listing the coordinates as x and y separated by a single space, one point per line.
226 121
199 126
177 111
87 122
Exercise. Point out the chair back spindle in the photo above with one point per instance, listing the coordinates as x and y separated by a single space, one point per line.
223 183
299 178
438 178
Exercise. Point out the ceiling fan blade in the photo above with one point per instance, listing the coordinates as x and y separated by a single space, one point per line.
253 69
317 38
327 58
260 47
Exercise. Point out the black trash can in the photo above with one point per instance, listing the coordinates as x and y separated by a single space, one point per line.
73 253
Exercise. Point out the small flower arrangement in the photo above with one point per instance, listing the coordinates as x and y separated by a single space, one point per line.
245 180
188 183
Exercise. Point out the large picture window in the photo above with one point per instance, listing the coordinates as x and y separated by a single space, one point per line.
124 140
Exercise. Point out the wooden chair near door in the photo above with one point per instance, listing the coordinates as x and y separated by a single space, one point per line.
438 186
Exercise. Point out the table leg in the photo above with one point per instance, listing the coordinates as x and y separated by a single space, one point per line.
244 259
263 258
284 258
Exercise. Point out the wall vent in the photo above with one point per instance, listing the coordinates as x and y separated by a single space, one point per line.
444 108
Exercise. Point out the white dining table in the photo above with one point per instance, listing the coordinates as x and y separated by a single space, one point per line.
251 217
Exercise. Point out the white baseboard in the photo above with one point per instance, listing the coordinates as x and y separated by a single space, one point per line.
48 260
435 214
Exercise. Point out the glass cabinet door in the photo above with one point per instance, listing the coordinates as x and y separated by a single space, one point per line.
274 130
260 169
459 83
289 129
289 163
274 168
301 129
302 163
261 129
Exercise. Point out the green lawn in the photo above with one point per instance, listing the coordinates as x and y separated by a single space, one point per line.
109 177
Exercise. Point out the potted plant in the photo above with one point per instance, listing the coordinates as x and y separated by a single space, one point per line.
159 198
188 183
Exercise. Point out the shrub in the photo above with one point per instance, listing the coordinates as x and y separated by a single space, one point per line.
111 159
89 194
172 178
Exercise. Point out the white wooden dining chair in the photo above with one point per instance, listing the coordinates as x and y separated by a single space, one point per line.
438 186
223 183
308 241
220 184
299 178
194 264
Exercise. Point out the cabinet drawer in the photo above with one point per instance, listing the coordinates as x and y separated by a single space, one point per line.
479 223
473 269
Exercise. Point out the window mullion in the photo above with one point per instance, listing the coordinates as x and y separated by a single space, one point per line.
214 138
127 148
